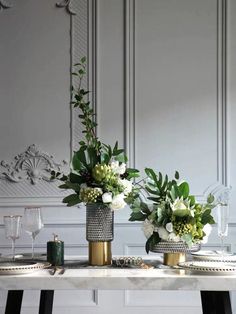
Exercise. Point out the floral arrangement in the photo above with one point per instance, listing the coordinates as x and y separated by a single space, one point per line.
174 215
98 172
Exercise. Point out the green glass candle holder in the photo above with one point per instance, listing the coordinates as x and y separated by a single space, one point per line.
55 252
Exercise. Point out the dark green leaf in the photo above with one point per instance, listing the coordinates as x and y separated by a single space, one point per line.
79 159
93 157
160 178
151 174
210 199
192 200
70 185
151 191
139 216
176 175
206 217
83 59
154 199
72 200
183 189
154 239
75 178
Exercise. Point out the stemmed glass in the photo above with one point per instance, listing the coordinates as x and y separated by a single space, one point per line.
32 223
12 230
222 220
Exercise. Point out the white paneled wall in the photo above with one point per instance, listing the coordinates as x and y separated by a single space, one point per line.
163 81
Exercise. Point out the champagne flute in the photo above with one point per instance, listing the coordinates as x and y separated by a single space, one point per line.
12 230
32 223
222 223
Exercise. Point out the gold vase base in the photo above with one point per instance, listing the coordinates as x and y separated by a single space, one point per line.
100 253
173 259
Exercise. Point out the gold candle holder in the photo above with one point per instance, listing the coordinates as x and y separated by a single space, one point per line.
100 253
173 259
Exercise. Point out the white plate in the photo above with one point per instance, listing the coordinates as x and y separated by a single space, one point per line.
21 267
210 267
26 256
213 256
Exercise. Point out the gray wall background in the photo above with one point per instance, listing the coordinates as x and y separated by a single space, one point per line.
163 78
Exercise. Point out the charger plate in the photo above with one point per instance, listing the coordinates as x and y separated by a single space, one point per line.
209 267
21 267
216 256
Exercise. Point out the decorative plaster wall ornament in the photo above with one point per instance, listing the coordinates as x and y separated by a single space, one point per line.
32 165
66 4
5 4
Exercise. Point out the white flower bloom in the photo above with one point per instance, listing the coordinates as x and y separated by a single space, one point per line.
117 168
163 233
178 204
173 237
147 228
169 227
107 197
122 168
127 186
117 202
114 165
180 207
207 230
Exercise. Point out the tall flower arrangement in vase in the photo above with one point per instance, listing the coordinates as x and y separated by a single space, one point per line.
98 176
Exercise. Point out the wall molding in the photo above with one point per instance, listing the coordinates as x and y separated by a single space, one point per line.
223 170
222 105
32 165
5 4
67 5
20 195
79 47
93 66
129 81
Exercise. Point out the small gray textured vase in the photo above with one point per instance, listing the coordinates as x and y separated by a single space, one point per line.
99 223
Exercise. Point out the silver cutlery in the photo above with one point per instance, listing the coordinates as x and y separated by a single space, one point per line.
58 270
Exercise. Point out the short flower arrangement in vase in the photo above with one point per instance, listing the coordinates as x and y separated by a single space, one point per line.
99 178
173 222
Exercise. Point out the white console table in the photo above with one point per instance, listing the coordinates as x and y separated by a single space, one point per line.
214 288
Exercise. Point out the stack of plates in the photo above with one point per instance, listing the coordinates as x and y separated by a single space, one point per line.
214 256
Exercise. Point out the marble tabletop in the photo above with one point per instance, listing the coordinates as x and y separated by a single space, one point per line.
118 278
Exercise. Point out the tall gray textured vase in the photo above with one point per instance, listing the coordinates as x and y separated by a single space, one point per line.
99 233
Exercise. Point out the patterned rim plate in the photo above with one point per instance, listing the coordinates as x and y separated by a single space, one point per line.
209 267
213 256
174 247
21 267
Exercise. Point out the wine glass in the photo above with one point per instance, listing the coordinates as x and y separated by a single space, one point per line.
222 223
32 223
12 230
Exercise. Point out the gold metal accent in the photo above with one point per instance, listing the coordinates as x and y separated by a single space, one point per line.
99 253
173 259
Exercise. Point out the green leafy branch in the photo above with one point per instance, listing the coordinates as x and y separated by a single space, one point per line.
87 114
